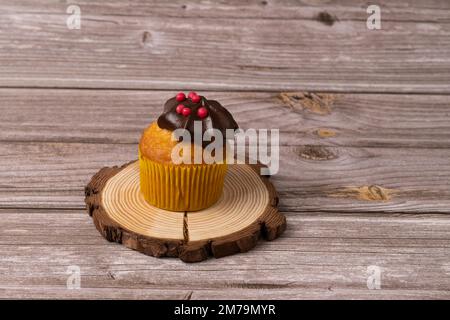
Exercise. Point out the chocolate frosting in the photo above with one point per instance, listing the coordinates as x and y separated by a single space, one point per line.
217 118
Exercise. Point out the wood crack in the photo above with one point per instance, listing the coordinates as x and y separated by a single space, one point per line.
185 227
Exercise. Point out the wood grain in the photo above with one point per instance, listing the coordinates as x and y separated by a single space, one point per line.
119 116
132 51
117 192
244 213
363 178
339 10
414 260
311 178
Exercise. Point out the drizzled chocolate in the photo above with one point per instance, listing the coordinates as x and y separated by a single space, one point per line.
181 112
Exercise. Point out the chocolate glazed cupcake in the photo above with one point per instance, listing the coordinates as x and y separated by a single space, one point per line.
182 187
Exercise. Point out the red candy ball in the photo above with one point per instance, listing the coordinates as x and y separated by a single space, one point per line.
186 111
179 109
195 99
180 97
191 94
202 112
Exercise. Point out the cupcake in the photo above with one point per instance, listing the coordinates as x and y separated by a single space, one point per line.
175 186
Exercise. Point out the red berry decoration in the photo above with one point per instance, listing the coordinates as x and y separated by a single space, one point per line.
202 112
179 109
195 99
180 97
186 111
191 94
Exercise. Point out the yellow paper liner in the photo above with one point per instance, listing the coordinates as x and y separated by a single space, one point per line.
181 187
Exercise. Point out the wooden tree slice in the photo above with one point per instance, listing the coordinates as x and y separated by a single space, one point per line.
245 212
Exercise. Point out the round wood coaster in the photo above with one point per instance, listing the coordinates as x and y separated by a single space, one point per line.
245 212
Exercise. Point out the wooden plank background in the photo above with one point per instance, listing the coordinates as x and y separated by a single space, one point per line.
133 49
364 119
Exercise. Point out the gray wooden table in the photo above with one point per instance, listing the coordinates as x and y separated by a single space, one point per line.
364 117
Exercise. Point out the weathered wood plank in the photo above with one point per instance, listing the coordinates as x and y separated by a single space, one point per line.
311 178
61 292
411 250
58 292
118 116
324 293
74 227
376 179
247 54
339 10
